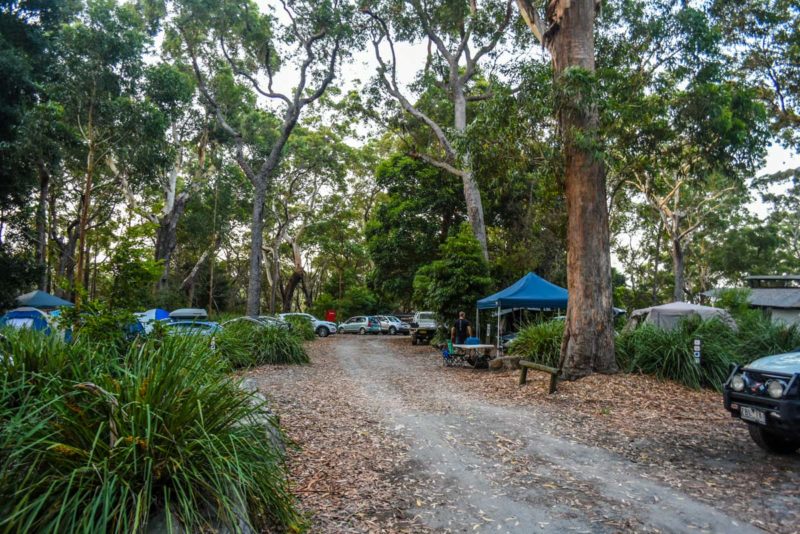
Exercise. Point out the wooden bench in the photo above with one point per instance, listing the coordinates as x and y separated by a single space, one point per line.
523 373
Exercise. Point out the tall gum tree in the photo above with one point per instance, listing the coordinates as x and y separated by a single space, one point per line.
462 35
223 39
567 31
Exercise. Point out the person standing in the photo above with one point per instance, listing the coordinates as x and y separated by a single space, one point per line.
462 329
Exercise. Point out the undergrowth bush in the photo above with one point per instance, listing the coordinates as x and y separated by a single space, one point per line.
302 327
670 354
539 342
90 442
246 344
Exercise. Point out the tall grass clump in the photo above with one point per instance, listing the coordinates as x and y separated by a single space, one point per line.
302 328
539 342
246 344
669 354
758 336
161 435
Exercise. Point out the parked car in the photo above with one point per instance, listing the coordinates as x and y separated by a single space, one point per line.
191 328
423 327
765 394
392 325
274 322
188 314
360 324
322 328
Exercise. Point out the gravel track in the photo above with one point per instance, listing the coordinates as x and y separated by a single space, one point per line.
392 442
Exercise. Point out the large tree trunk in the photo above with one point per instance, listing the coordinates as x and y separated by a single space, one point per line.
256 241
472 194
678 270
41 225
86 199
166 237
588 343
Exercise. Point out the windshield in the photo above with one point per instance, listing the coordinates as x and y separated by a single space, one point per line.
427 317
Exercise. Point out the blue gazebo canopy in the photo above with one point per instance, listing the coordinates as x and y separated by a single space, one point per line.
41 299
530 291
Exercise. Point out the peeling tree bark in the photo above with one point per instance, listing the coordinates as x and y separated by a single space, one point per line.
588 343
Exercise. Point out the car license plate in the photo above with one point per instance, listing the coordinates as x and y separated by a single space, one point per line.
751 414
423 331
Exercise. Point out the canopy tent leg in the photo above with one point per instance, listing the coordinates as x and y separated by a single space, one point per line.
477 324
498 330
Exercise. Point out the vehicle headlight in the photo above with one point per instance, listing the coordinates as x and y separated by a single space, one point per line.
775 389
737 383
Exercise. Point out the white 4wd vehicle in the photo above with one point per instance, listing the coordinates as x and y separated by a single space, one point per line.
423 327
322 328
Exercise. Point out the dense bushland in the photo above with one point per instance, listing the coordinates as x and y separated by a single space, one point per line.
94 442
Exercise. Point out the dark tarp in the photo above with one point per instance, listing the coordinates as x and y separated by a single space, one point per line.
40 299
530 291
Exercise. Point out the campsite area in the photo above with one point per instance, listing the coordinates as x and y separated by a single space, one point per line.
391 441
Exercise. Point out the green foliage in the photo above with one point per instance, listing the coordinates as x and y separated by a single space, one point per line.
669 354
758 336
540 342
456 281
97 324
243 343
736 301
356 300
106 448
422 205
302 328
19 274
133 273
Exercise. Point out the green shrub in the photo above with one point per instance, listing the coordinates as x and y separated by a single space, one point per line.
246 344
758 336
540 342
669 354
302 328
105 450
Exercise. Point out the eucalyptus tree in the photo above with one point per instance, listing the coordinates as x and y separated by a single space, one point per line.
682 135
763 38
566 29
97 77
235 49
462 36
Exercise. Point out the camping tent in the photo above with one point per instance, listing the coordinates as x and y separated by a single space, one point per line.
530 291
40 299
147 318
667 316
26 317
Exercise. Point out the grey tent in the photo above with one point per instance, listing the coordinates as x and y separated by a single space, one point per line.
41 300
667 316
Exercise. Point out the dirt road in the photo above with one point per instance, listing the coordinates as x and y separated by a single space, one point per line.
400 444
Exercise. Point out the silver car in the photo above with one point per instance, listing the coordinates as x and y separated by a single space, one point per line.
360 324
392 325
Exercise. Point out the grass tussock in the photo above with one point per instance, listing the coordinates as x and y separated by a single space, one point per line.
90 442
539 342
302 328
245 344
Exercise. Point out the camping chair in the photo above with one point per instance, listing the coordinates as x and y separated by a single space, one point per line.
451 357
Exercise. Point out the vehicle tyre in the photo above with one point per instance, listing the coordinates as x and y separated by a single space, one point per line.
771 442
323 331
341 330
392 330
362 331
413 340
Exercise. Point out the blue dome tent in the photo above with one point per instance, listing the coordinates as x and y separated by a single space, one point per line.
26 317
529 292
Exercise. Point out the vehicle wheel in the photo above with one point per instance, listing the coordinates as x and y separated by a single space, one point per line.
341 330
413 340
362 331
392 330
323 331
772 442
